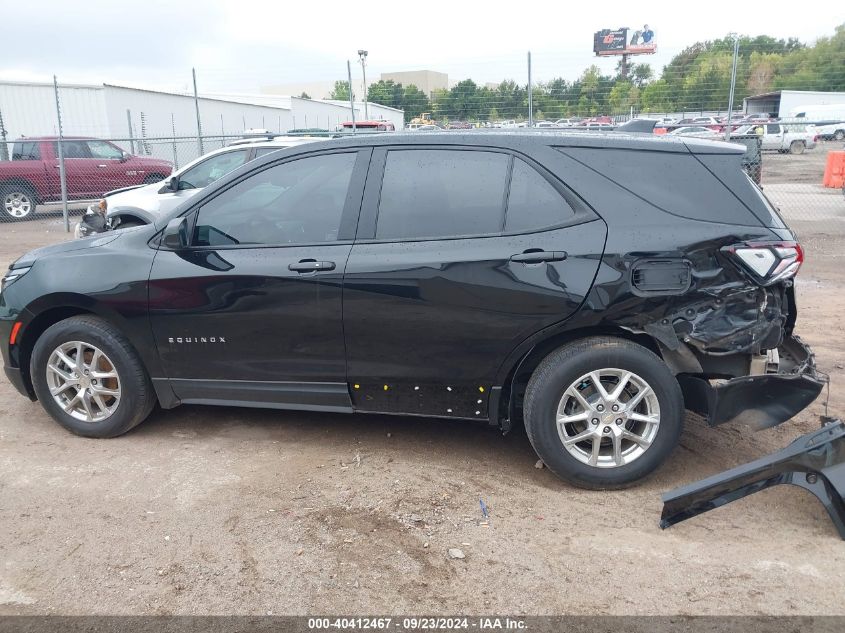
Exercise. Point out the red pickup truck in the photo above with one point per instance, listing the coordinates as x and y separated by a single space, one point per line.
92 167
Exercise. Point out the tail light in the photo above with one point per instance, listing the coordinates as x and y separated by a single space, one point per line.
768 262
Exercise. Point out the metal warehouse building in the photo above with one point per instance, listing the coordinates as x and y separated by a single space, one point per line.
119 112
783 102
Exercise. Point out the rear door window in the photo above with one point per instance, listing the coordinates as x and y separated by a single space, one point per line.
441 193
533 203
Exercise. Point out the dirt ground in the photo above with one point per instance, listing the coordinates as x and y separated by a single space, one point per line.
804 168
220 510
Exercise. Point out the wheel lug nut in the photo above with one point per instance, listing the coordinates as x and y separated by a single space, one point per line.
607 429
600 407
595 421
618 420
615 407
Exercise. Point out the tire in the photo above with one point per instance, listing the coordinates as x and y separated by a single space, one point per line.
796 147
18 202
838 135
150 179
135 395
558 376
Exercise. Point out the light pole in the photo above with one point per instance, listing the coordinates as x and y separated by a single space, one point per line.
362 57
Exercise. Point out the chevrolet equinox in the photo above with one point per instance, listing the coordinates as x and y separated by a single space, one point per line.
591 286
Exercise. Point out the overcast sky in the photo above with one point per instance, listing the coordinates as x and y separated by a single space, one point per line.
241 46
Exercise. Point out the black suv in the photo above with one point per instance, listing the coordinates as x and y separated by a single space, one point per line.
591 285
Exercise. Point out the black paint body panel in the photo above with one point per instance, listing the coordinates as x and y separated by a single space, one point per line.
445 317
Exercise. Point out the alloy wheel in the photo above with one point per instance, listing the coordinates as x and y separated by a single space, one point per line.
17 204
83 381
608 418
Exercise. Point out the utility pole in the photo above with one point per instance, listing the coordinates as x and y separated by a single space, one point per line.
351 96
530 95
4 150
197 108
62 175
362 56
733 86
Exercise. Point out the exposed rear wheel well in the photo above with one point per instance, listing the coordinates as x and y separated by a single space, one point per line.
513 389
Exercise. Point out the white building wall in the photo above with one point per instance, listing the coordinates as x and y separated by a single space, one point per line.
792 99
29 109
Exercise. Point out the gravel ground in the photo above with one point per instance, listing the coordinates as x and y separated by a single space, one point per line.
222 510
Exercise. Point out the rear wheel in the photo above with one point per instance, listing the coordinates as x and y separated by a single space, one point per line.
89 379
153 178
18 201
839 135
797 147
603 412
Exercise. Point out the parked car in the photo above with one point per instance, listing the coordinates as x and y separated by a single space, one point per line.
697 130
459 125
567 122
829 130
92 167
783 137
600 127
508 123
134 206
367 126
430 127
546 125
476 276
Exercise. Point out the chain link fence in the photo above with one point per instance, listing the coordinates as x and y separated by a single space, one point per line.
62 146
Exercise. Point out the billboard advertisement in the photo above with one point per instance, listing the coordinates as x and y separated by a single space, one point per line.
624 41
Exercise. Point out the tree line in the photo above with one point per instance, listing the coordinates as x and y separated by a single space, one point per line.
697 78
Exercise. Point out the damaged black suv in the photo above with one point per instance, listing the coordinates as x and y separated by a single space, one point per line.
593 286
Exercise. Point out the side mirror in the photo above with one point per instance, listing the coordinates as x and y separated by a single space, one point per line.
175 236
173 183
124 156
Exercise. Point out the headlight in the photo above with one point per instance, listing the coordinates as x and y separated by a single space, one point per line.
13 275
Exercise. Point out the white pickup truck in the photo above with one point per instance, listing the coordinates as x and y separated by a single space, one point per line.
783 137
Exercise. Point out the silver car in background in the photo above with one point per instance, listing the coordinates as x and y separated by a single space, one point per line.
136 206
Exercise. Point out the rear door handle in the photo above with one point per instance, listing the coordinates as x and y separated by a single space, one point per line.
310 265
537 257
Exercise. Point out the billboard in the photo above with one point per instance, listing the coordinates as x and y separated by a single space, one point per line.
617 41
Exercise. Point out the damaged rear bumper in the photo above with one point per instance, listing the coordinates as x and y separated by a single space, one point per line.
763 400
815 462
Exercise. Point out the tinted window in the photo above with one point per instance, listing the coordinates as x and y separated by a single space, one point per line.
299 202
773 129
533 203
676 183
106 151
72 149
26 151
441 193
211 169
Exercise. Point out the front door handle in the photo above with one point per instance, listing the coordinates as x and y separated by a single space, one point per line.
102 166
537 257
310 266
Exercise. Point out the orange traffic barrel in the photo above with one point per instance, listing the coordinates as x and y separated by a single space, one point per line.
834 171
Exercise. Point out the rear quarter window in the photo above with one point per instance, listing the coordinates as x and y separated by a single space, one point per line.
676 183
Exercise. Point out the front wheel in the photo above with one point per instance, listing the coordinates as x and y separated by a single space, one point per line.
603 412
89 379
839 135
153 178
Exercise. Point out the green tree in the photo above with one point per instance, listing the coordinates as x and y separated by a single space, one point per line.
414 102
340 90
